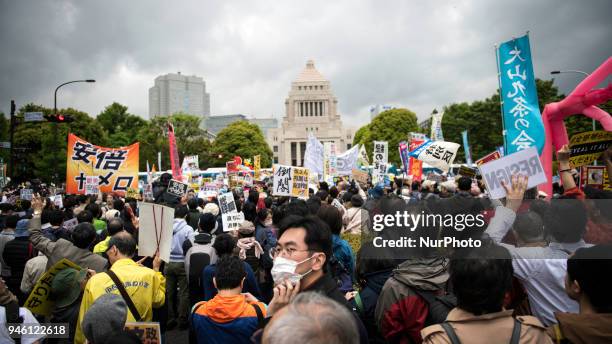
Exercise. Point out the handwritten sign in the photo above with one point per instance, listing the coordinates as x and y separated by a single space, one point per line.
177 188
525 162
232 221
290 181
380 159
26 194
227 203
92 185
39 300
299 187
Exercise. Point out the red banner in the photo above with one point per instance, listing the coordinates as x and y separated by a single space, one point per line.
174 158
488 158
415 168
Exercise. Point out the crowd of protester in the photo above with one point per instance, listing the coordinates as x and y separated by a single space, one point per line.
307 271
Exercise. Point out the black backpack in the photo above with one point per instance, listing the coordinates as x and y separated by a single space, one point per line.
340 274
438 305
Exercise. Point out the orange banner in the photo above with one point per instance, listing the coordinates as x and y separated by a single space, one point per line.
116 168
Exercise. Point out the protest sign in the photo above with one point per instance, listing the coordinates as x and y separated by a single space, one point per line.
363 159
26 194
248 180
57 200
190 163
231 167
148 192
466 171
489 157
227 203
594 176
133 193
40 301
117 168
330 161
92 185
525 162
415 166
436 126
177 188
155 230
232 221
299 187
209 190
587 147
290 181
360 176
147 332
257 166
439 154
403 154
69 225
380 159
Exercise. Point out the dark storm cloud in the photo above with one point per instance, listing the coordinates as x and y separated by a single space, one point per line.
415 54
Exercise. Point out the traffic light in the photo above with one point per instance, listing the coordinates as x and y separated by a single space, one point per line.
59 118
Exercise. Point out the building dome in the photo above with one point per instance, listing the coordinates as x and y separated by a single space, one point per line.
310 74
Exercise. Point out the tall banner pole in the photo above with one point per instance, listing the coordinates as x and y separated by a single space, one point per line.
501 98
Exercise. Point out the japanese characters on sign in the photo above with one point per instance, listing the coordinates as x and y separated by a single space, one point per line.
147 332
330 160
257 166
290 181
439 154
415 166
232 221
40 301
227 203
587 147
521 115
92 185
177 188
380 159
116 168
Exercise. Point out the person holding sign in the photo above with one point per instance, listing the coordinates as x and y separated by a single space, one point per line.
141 288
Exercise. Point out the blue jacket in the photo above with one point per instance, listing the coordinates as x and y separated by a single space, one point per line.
343 253
181 231
250 283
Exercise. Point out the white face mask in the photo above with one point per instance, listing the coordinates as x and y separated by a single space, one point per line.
284 269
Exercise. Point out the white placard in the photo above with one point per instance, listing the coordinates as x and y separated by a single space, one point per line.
155 230
380 158
226 203
57 200
232 221
26 194
525 162
92 185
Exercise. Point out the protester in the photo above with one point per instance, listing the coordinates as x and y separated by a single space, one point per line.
355 220
312 318
528 230
225 245
341 263
106 316
144 288
22 316
249 249
16 254
198 255
230 316
176 278
481 277
447 189
7 234
55 230
194 214
588 283
114 226
67 292
33 271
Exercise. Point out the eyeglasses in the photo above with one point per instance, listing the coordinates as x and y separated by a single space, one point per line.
284 251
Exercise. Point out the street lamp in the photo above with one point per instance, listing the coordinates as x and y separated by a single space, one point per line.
56 124
66 83
573 71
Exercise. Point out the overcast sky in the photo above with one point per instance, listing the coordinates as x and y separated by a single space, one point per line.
415 54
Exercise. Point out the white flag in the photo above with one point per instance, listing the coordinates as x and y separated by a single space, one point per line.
313 157
347 161
439 154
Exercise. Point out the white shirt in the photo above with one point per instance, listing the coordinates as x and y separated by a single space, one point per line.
28 319
542 270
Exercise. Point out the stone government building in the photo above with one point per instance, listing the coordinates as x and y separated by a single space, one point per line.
310 107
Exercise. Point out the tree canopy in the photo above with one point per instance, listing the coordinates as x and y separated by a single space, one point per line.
243 139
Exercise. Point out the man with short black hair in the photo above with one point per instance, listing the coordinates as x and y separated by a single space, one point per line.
528 229
7 234
77 251
194 214
144 287
588 282
230 317
198 255
115 225
481 279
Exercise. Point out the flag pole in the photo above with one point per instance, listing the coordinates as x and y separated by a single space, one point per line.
501 101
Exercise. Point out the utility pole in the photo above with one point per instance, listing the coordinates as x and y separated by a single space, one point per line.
13 123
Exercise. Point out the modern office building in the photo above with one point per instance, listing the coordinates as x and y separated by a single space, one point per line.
174 93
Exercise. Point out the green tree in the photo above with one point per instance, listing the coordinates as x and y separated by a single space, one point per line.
40 147
4 136
190 140
392 126
122 127
243 139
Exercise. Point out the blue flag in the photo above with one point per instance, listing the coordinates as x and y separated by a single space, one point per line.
466 148
521 115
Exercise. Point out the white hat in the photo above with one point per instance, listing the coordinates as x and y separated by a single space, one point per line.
211 208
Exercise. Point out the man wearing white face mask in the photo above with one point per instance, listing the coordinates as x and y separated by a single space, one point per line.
300 264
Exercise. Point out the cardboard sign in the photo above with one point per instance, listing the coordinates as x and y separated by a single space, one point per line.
360 176
177 188
39 300
147 332
587 147
92 185
466 171
155 230
26 194
232 221
487 158
526 162
290 181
